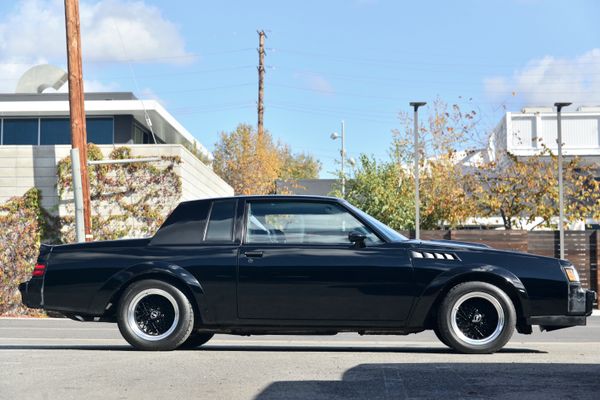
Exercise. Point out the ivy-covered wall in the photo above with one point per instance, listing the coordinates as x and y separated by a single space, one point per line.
127 200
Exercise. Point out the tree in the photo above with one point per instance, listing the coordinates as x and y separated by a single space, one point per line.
525 191
297 166
374 188
252 164
386 188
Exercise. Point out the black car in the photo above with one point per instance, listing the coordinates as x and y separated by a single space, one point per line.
302 265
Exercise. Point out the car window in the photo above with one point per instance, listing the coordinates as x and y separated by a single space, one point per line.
220 222
294 222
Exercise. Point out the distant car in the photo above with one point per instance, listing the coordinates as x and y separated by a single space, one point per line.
302 265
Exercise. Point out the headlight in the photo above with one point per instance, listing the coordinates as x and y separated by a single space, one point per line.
572 274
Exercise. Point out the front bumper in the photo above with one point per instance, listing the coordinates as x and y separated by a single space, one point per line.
581 303
31 293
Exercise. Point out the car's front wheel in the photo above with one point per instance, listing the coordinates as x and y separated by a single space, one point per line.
476 317
154 315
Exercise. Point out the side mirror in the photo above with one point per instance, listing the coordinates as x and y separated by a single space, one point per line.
357 238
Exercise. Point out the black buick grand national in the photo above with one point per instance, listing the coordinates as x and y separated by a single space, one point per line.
302 265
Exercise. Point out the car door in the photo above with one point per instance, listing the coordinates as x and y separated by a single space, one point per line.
297 263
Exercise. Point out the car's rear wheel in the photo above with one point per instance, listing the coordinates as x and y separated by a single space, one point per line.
441 338
154 315
196 339
476 317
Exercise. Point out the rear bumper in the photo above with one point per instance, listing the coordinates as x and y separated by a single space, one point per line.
585 303
31 293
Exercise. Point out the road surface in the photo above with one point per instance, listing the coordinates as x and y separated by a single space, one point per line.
63 359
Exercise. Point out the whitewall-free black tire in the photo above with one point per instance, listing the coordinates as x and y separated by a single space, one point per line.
154 315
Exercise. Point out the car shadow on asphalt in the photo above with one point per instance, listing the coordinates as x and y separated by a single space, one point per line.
477 380
265 348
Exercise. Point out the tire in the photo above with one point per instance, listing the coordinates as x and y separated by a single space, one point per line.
154 315
476 318
196 339
438 334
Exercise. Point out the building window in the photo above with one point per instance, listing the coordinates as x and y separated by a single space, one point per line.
20 131
99 130
55 131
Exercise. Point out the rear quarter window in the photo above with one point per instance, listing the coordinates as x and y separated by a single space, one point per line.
185 225
220 222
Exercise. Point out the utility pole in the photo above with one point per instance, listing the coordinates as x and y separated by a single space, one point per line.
561 201
261 79
77 112
416 105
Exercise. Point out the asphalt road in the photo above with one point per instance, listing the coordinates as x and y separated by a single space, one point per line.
62 359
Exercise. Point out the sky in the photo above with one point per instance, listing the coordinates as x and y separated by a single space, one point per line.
360 61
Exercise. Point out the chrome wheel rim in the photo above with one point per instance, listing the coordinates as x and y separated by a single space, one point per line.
477 318
153 314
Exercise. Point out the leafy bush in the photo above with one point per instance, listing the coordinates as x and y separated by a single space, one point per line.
22 225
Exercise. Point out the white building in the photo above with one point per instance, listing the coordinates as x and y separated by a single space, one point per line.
525 134
35 135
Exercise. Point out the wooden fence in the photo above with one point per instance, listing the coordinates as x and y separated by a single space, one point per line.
582 248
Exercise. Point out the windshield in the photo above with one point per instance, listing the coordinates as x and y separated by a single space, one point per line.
390 234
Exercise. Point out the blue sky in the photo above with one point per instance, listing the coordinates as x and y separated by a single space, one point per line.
357 60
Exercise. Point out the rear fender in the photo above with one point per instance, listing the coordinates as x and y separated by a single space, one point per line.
440 285
112 288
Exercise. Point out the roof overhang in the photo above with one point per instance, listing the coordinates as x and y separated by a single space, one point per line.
163 124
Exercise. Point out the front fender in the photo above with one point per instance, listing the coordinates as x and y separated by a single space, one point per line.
153 269
439 286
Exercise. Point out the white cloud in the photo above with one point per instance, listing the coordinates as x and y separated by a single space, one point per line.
549 79
34 30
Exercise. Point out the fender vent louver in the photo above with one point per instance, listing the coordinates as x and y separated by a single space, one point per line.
433 255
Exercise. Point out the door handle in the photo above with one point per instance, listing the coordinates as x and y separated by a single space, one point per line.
253 254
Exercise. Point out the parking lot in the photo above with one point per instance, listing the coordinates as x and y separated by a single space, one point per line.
63 359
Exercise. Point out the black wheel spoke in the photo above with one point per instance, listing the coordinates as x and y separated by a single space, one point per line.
154 315
476 318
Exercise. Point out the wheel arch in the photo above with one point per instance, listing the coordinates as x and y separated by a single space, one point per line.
425 310
106 300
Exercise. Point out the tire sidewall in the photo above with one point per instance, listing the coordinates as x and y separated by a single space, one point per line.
445 316
182 330
196 339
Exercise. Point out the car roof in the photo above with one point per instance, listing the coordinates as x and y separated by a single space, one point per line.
269 197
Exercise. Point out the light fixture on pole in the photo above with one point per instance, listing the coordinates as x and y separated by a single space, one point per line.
335 136
561 206
416 105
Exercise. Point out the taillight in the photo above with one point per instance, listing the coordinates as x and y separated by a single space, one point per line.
39 270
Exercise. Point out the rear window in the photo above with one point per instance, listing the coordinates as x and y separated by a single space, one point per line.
220 222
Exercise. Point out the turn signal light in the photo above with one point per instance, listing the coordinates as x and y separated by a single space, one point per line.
572 274
39 270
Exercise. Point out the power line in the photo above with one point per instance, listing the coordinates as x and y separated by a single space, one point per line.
344 58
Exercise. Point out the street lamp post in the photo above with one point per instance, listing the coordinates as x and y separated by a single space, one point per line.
416 106
561 208
335 136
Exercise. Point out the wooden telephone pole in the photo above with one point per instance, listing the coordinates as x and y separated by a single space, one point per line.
261 78
76 105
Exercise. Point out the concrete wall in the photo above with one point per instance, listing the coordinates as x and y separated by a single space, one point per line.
23 167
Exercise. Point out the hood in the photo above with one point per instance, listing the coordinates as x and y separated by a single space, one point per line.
449 244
